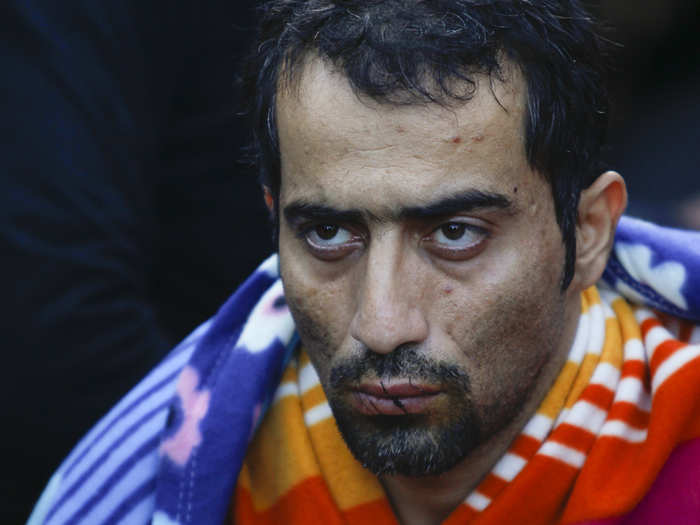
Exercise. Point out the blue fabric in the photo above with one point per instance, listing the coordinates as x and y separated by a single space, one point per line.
145 463
656 266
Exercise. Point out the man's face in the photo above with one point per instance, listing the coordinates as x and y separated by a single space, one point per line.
422 263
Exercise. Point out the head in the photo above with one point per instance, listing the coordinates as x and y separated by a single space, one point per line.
425 163
413 51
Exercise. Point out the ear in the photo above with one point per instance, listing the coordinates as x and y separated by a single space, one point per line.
269 201
599 209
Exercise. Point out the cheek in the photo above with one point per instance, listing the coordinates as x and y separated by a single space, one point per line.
504 331
317 309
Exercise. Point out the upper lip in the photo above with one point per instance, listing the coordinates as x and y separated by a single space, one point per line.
394 390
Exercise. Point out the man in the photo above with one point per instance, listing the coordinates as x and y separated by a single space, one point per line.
436 350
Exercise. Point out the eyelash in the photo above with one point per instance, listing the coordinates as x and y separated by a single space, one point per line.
462 253
331 253
328 253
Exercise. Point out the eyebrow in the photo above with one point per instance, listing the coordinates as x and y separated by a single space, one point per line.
462 202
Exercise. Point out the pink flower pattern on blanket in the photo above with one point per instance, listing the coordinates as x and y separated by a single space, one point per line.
195 404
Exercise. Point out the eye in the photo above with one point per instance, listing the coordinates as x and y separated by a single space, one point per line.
456 240
328 235
329 241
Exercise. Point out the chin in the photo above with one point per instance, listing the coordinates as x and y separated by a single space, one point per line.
407 445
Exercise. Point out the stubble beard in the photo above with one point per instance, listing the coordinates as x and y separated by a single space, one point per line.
413 445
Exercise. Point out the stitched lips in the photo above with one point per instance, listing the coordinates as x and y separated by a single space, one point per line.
393 399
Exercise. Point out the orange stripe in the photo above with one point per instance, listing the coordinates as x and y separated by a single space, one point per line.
525 446
663 351
598 395
307 503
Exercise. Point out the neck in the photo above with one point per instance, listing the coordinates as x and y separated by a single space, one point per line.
431 499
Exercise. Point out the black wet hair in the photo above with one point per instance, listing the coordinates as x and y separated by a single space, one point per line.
412 51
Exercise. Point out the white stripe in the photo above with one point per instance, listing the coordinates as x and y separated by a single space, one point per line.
578 347
317 414
654 338
140 473
120 427
606 375
166 368
695 335
607 296
117 457
270 266
622 430
286 389
538 427
642 314
509 466
586 416
563 413
563 453
631 390
608 312
477 501
634 351
46 501
308 378
597 330
674 363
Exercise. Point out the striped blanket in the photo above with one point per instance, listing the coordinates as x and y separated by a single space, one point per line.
171 451
594 448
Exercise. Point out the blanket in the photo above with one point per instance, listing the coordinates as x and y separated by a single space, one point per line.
171 450
593 449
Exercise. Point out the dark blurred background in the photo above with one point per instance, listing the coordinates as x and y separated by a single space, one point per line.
655 126
127 216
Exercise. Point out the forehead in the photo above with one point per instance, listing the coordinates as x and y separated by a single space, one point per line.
339 145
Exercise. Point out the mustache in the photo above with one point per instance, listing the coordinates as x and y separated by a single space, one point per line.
405 361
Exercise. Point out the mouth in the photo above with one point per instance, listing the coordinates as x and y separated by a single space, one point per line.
395 399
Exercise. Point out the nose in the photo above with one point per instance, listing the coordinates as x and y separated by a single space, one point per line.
389 307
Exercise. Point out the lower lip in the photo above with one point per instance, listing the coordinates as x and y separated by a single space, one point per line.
374 406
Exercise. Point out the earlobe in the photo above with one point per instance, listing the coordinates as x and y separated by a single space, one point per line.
600 207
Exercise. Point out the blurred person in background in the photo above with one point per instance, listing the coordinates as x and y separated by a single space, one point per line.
126 214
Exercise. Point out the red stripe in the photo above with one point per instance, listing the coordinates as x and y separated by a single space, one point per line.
634 368
630 414
492 486
308 502
525 446
598 395
573 437
648 324
686 331
463 514
663 351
